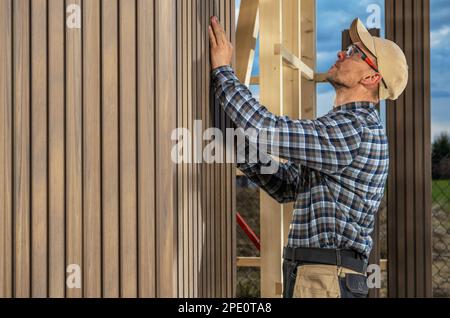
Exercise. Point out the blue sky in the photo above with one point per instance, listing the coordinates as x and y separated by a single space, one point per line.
335 16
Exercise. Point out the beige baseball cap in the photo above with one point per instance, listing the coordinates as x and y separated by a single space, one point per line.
391 60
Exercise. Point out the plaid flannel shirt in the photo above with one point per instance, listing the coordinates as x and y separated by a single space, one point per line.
336 167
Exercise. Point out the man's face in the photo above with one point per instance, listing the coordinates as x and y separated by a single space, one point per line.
349 71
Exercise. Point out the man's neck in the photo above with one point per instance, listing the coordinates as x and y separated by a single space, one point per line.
346 96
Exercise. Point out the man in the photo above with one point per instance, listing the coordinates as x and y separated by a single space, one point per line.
336 167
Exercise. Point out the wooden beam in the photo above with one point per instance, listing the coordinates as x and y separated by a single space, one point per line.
248 262
308 56
246 35
291 45
293 61
271 80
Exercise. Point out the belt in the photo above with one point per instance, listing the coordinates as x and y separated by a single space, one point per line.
343 258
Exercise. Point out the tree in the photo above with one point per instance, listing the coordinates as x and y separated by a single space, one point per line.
441 157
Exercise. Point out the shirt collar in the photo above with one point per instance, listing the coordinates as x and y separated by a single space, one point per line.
354 106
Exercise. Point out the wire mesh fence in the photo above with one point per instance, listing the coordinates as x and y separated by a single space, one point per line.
441 220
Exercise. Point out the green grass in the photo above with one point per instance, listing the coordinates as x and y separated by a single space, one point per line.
441 194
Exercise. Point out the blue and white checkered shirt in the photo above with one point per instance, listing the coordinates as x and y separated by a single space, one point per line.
336 167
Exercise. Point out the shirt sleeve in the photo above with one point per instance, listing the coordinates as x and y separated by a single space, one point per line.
322 144
282 184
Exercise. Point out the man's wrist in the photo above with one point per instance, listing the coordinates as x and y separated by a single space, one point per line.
221 67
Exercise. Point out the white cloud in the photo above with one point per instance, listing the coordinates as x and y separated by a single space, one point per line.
440 37
438 128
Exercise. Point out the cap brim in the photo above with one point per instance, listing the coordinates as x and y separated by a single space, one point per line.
359 33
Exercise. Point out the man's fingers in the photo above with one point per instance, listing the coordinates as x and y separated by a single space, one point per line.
218 31
212 37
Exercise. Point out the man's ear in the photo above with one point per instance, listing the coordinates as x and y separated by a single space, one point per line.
372 79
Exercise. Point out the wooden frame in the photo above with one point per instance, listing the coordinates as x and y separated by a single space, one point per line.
287 35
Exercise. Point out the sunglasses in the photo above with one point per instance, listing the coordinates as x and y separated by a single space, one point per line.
352 49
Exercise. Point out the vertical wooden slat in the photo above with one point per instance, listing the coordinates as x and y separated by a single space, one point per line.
425 218
409 156
128 148
418 114
390 129
110 151
165 171
202 191
200 173
200 95
195 94
6 149
409 182
400 169
220 180
224 211
146 150
189 106
308 56
185 218
232 200
74 232
180 191
21 148
230 173
209 174
39 148
216 192
92 150
56 144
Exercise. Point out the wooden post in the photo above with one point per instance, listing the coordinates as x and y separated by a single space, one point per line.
246 34
308 56
283 44
271 81
409 133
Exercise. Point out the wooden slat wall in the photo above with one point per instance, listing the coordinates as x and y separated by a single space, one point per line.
86 117
409 183
206 219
